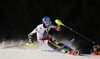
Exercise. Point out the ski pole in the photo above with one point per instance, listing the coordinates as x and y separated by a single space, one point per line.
60 23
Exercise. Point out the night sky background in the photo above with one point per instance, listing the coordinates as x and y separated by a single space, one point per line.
19 17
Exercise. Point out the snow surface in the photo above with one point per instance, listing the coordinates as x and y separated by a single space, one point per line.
35 52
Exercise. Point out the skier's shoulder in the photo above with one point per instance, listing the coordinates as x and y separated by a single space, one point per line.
52 25
40 25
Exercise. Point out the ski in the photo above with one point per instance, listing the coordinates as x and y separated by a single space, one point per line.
61 46
12 46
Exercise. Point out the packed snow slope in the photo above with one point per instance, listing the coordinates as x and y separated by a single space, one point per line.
35 52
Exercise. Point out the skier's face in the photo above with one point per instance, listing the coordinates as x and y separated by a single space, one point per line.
47 24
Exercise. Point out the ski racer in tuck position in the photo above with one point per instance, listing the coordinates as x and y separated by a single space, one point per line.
43 35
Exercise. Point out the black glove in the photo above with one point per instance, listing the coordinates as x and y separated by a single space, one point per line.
30 38
59 27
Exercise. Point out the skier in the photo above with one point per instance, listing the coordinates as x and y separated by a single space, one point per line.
43 35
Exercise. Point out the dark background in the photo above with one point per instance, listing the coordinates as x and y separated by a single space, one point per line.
19 17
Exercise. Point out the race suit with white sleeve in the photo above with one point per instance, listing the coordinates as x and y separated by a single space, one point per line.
42 33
